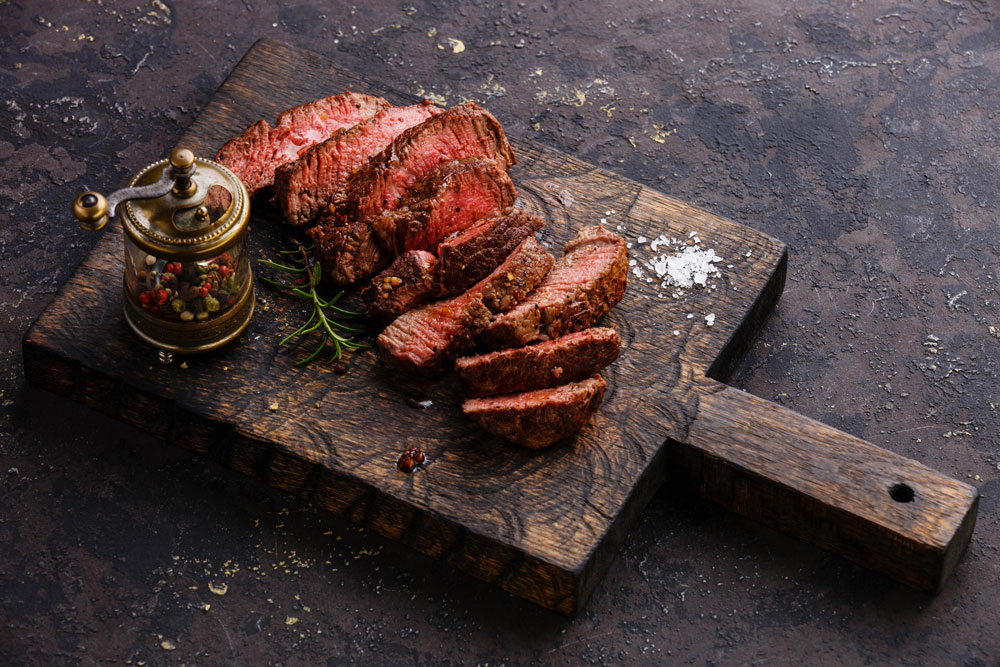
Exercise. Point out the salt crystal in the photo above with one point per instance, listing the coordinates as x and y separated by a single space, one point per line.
710 319
676 332
690 316
641 239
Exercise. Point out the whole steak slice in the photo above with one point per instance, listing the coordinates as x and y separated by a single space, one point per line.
463 131
304 187
570 358
586 282
454 196
407 283
255 154
424 339
467 258
539 418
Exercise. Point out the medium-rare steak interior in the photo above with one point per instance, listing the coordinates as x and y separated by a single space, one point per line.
454 196
304 187
255 154
460 132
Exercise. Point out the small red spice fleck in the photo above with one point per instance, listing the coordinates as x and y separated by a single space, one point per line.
410 459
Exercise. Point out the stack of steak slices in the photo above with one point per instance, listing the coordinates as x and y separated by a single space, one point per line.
543 393
423 195
305 187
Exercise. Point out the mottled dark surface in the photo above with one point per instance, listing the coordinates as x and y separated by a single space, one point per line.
863 135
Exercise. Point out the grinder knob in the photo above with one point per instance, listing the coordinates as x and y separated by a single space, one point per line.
91 210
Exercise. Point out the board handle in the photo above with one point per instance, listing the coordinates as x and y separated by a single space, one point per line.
826 487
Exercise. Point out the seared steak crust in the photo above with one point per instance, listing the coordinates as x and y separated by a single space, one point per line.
539 418
304 187
473 254
255 154
463 131
424 339
571 358
585 283
341 250
408 282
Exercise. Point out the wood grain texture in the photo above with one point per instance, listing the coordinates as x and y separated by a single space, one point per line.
542 525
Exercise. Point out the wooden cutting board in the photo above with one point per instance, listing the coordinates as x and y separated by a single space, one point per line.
542 525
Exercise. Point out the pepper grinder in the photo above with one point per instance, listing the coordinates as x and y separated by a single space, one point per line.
188 286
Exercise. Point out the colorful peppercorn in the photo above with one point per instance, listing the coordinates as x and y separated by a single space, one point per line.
186 291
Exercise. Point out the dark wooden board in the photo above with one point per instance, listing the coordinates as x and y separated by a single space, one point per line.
542 525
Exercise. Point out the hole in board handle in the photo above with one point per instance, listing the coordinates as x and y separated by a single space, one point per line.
901 493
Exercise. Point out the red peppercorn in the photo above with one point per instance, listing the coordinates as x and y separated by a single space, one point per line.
145 298
203 291
161 297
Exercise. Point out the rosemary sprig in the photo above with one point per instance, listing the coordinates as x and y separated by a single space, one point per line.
321 317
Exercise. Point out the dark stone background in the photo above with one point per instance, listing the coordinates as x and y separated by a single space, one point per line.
862 134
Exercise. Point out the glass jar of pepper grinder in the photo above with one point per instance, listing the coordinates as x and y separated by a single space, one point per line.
187 286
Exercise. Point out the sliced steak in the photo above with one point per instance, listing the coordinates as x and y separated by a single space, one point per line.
462 131
467 258
570 358
424 339
407 283
585 283
514 280
538 418
340 250
454 196
255 154
304 187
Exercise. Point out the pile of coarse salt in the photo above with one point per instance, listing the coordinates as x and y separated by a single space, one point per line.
685 266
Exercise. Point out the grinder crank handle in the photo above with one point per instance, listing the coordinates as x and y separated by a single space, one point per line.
826 487
92 210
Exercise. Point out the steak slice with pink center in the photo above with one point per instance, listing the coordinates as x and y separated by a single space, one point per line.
464 131
570 358
424 339
539 418
255 154
456 195
304 187
586 282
